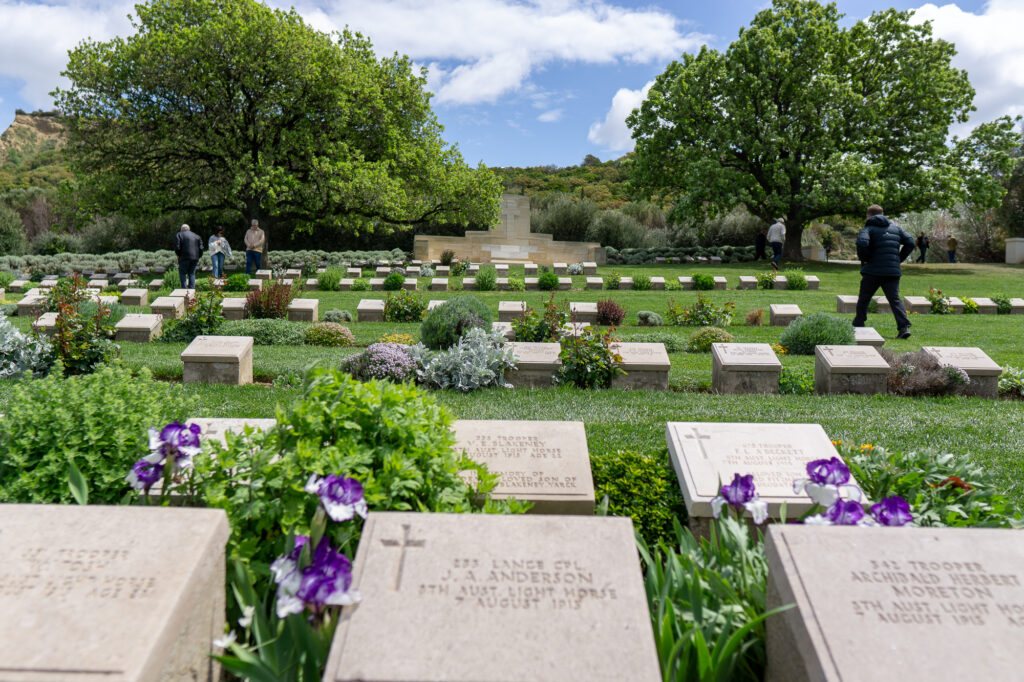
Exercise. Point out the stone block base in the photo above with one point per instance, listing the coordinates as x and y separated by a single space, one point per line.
232 373
647 380
526 378
731 382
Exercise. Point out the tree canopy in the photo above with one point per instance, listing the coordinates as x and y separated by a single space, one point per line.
231 108
803 118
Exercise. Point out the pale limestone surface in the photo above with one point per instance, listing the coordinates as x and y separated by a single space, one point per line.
883 306
156 284
502 283
501 269
439 284
255 284
171 308
182 293
532 283
646 365
409 284
536 364
45 323
846 304
233 308
264 274
354 272
98 283
657 283
370 310
560 268
574 328
312 284
123 593
780 282
982 370
748 282
564 283
813 283
136 297
744 368
443 270
595 283
707 455
510 310
528 269
686 282
721 283
917 304
1017 306
894 604
304 310
471 597
218 360
469 283
18 286
293 273
139 327
383 271
217 428
126 284
543 462
376 284
583 311
626 283
868 336
986 306
849 369
781 314
435 303
589 268
505 328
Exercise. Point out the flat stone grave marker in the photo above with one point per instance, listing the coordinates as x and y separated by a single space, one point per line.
781 314
846 304
646 365
564 283
106 300
136 297
345 284
536 364
873 604
182 293
780 282
439 284
584 311
574 328
45 324
264 274
304 310
528 268
502 269
849 369
473 269
138 327
595 283
1017 306
32 304
686 282
589 268
255 284
293 273
48 284
218 360
543 462
882 305
110 593
443 270
98 283
748 282
510 310
532 283
354 272
505 328
706 455
502 283
868 336
218 427
657 283
982 370
383 271
233 308
813 283
376 284
986 306
18 286
436 303
170 307
156 284
126 284
469 283
409 284
917 304
560 268
470 597
370 310
744 368
312 284
956 305
626 283
721 283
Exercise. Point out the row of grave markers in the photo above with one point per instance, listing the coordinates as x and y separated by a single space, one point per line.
137 593
922 306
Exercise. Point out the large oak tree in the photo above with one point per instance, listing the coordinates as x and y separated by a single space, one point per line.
804 118
229 107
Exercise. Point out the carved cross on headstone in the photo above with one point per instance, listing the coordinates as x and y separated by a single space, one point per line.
698 437
404 543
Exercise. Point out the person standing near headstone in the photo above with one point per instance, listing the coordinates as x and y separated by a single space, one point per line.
881 247
951 245
776 237
922 246
760 246
255 244
188 247
219 249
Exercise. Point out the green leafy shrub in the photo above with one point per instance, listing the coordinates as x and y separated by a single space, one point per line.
765 280
1011 383
796 381
641 282
703 281
701 340
641 486
547 281
970 306
647 318
20 353
458 268
447 256
97 421
673 343
271 301
446 324
516 284
486 278
588 360
613 281
478 359
360 284
703 313
385 361
609 313
534 327
335 315
404 306
329 334
817 329
939 301
203 316
266 332
5 279
1002 301
796 279
673 285
393 282
82 337
238 282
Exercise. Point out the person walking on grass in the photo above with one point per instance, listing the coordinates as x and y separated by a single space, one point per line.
951 245
219 250
188 247
881 247
776 237
255 244
922 246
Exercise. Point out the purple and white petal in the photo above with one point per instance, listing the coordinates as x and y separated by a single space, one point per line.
716 506
287 604
313 485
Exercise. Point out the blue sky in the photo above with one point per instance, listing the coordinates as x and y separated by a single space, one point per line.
527 82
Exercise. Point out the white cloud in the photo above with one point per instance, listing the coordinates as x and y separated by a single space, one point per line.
990 49
551 116
612 133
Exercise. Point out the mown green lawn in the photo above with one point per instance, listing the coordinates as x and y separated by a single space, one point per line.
992 431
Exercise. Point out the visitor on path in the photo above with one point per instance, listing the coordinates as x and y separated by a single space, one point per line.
188 247
951 249
219 249
761 246
776 236
922 246
881 247
255 243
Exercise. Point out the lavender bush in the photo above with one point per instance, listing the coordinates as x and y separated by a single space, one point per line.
389 361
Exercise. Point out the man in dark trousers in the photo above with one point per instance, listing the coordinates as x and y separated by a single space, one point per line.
761 245
881 247
188 247
922 246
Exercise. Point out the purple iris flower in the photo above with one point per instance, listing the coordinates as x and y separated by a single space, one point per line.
827 481
176 441
326 581
845 513
144 475
742 495
342 497
828 471
892 511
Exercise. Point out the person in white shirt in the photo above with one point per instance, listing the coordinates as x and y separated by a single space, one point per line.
776 237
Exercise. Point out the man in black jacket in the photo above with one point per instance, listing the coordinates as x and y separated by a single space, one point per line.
881 247
188 247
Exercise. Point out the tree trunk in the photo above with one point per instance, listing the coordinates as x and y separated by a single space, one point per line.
791 249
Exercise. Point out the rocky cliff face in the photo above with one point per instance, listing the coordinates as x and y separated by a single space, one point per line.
30 134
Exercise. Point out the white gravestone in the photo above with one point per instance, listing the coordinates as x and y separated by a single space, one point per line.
744 368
